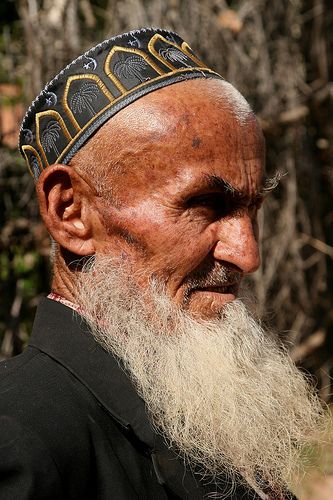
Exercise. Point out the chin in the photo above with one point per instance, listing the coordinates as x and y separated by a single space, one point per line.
208 305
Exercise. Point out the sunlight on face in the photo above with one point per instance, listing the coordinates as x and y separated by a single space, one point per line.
189 196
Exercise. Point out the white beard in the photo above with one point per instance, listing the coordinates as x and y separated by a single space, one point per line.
225 395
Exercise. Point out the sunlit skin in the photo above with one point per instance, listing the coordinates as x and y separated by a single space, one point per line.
180 205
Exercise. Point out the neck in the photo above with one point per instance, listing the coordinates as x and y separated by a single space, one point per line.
65 275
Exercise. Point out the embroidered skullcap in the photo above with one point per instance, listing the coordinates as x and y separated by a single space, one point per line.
98 84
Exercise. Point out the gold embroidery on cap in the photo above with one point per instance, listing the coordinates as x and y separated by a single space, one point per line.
180 54
36 155
187 49
60 122
142 54
99 83
152 50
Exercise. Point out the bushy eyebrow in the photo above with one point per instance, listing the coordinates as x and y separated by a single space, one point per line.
268 185
218 183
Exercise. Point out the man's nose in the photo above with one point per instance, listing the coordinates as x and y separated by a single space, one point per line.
237 243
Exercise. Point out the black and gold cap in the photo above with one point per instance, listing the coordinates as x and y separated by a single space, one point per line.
98 84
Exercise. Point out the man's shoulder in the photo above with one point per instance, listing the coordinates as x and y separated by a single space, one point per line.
45 410
17 366
27 372
33 384
42 396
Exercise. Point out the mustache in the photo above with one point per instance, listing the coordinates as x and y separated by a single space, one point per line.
212 275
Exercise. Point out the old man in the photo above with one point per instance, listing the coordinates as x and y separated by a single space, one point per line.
146 377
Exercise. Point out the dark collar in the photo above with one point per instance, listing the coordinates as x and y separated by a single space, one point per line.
63 335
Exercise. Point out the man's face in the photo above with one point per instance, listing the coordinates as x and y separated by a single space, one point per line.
185 192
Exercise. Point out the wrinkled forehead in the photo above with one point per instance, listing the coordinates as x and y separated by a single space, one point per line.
186 104
201 128
206 107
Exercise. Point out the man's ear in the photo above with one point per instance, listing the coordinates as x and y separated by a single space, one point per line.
66 207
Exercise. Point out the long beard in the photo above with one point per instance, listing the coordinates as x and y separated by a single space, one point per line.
224 394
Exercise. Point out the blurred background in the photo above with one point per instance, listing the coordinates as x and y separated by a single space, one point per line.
278 53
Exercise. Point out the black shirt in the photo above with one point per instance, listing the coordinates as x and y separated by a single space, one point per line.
73 427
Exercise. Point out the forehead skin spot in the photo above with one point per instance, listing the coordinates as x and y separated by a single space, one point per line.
196 141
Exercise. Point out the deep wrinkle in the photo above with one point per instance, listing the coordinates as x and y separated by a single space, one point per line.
154 225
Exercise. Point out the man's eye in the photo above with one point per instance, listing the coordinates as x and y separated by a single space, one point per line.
212 202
